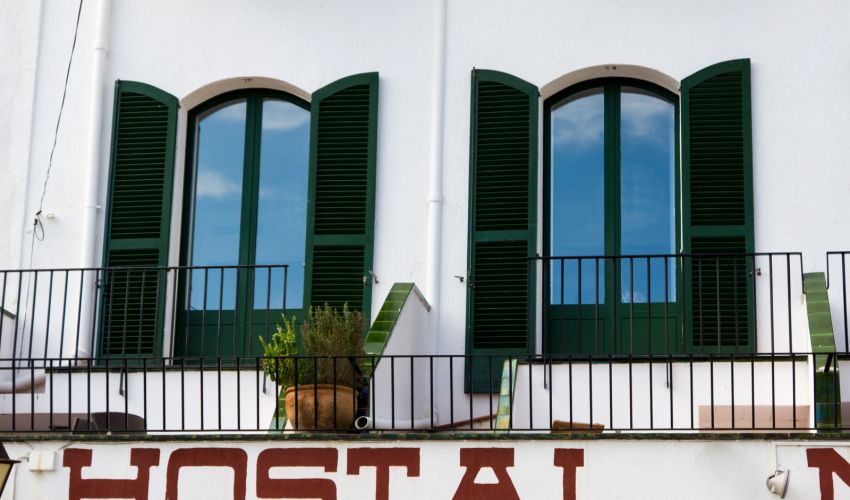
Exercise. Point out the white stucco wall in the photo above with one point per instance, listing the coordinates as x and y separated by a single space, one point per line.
800 63
19 42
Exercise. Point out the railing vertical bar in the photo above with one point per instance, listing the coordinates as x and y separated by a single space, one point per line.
431 388
141 315
732 384
631 396
187 330
236 313
717 301
844 299
651 402
204 316
220 309
570 386
145 387
562 332
238 392
596 306
700 318
201 382
711 383
32 318
452 391
631 310
788 283
580 291
691 381
649 304
590 387
772 332
49 310
79 315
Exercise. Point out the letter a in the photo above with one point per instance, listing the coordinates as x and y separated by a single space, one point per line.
475 459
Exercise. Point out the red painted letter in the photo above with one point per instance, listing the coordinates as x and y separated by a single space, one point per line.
569 460
142 458
828 462
296 488
475 459
234 458
382 459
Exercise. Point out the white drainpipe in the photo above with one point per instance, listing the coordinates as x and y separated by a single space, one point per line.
435 176
92 174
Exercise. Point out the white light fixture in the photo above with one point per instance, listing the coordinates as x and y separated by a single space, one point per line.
777 482
5 467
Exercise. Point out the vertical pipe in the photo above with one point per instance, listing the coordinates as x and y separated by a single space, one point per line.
435 175
92 173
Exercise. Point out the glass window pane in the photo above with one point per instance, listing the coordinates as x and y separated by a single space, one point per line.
282 205
647 195
218 204
578 197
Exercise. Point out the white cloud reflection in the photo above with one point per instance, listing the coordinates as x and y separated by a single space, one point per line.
579 123
212 184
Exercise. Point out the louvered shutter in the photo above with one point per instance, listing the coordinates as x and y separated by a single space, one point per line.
137 220
718 206
502 222
341 206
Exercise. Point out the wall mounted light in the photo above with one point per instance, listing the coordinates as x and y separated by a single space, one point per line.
777 482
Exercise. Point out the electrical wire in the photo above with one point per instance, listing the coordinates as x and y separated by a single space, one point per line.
61 107
38 232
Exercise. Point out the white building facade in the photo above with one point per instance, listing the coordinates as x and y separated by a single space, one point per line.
580 216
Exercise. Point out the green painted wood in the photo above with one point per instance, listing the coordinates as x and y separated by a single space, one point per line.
616 326
502 222
382 328
234 332
718 206
341 205
507 389
137 220
827 394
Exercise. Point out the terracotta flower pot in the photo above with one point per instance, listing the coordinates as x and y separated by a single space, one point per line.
316 406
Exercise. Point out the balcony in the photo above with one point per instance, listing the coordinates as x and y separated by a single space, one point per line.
653 343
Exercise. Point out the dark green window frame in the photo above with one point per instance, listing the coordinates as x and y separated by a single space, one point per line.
245 322
612 313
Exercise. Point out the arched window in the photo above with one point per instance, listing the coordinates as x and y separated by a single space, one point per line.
611 197
279 193
246 207
626 266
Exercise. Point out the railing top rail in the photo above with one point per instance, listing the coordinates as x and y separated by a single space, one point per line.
662 255
146 268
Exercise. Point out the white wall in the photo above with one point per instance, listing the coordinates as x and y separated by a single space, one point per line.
800 65
19 43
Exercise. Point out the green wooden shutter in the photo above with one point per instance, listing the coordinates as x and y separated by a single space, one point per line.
137 220
502 222
718 206
341 206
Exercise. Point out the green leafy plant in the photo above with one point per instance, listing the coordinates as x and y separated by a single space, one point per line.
278 363
332 342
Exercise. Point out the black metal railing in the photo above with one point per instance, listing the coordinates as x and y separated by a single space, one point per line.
669 303
570 393
138 311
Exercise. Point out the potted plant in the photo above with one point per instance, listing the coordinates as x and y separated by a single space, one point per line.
324 374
